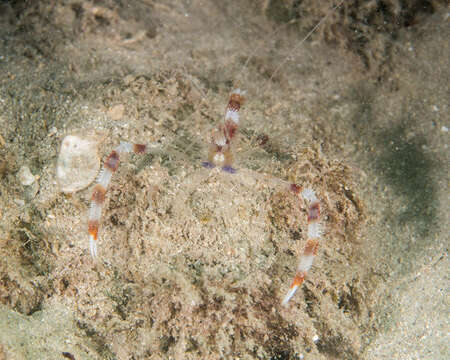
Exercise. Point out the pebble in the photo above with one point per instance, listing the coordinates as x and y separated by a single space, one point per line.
25 176
19 202
116 112
78 163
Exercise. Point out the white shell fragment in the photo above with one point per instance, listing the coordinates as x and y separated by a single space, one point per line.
78 163
25 176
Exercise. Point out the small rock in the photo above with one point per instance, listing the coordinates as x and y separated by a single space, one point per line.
53 131
116 112
19 202
78 163
25 176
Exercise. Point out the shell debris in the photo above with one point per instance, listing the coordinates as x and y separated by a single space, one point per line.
78 163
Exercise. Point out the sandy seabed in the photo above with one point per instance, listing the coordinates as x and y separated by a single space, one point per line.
194 262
